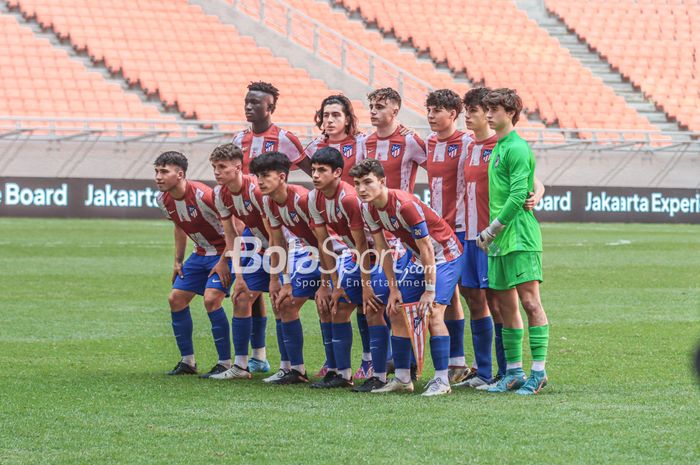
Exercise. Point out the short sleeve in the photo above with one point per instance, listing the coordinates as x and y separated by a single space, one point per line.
371 223
412 213
314 214
353 208
161 205
274 222
290 146
221 208
415 149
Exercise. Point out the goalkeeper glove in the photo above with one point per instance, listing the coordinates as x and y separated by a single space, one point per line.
486 237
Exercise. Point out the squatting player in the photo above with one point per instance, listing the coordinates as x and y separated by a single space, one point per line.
514 243
434 246
190 206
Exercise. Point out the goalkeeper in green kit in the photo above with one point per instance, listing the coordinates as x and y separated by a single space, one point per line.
513 243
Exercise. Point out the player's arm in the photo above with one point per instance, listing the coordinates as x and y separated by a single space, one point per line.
180 245
427 258
279 292
329 274
386 259
535 196
519 168
305 165
369 298
230 251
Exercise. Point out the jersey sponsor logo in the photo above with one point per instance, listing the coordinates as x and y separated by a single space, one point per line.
269 145
452 150
486 155
395 150
192 210
347 151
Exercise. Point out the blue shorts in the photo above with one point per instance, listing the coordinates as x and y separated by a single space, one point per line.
350 277
254 268
196 271
475 266
410 278
305 274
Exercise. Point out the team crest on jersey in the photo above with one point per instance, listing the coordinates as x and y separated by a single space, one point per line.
269 145
248 205
486 155
294 216
395 150
497 161
192 210
347 151
394 222
452 150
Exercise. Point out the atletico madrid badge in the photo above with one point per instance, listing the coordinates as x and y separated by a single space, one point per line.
417 323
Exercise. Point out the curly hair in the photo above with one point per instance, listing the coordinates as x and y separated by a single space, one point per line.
508 99
475 97
267 88
226 152
444 98
344 102
367 166
385 93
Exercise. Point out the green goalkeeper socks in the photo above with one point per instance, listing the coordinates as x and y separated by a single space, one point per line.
513 344
539 341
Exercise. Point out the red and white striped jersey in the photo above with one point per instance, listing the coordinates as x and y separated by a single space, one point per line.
352 148
445 168
476 177
405 216
399 155
195 214
274 139
342 213
293 214
246 205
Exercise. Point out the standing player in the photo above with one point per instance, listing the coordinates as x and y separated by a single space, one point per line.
446 156
264 136
399 153
514 243
339 126
286 205
434 246
484 318
190 206
238 196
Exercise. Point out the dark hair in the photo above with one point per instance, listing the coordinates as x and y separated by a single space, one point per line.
475 97
344 102
328 156
267 88
444 98
172 158
367 166
508 99
270 161
385 93
227 152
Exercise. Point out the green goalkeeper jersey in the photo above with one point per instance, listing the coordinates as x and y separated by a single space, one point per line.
511 178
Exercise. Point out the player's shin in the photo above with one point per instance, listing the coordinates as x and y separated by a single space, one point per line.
182 329
241 339
482 335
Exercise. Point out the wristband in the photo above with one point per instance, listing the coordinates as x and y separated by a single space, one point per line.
430 287
286 279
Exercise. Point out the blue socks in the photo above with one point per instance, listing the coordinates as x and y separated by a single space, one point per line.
284 357
363 327
327 336
182 329
500 353
294 341
402 352
342 344
257 335
482 335
439 351
220 331
456 330
379 346
241 334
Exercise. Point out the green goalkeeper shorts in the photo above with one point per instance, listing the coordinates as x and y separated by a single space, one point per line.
507 271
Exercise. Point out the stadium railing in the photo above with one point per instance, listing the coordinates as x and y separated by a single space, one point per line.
336 49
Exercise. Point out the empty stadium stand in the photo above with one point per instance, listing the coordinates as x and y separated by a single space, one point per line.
511 51
173 50
653 43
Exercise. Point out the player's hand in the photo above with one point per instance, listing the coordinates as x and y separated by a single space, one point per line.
274 290
404 131
530 201
370 300
241 292
338 293
323 298
426 301
394 302
284 294
177 271
223 270
484 240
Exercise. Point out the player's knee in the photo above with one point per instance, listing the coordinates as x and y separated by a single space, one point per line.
375 318
531 305
177 301
212 302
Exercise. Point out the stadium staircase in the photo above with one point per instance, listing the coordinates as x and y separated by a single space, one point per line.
600 67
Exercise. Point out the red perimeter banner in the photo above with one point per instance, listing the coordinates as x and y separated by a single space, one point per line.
135 198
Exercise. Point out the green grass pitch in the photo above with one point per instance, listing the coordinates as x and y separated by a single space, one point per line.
85 338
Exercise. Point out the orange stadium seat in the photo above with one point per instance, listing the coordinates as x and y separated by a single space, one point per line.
191 59
663 57
466 37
